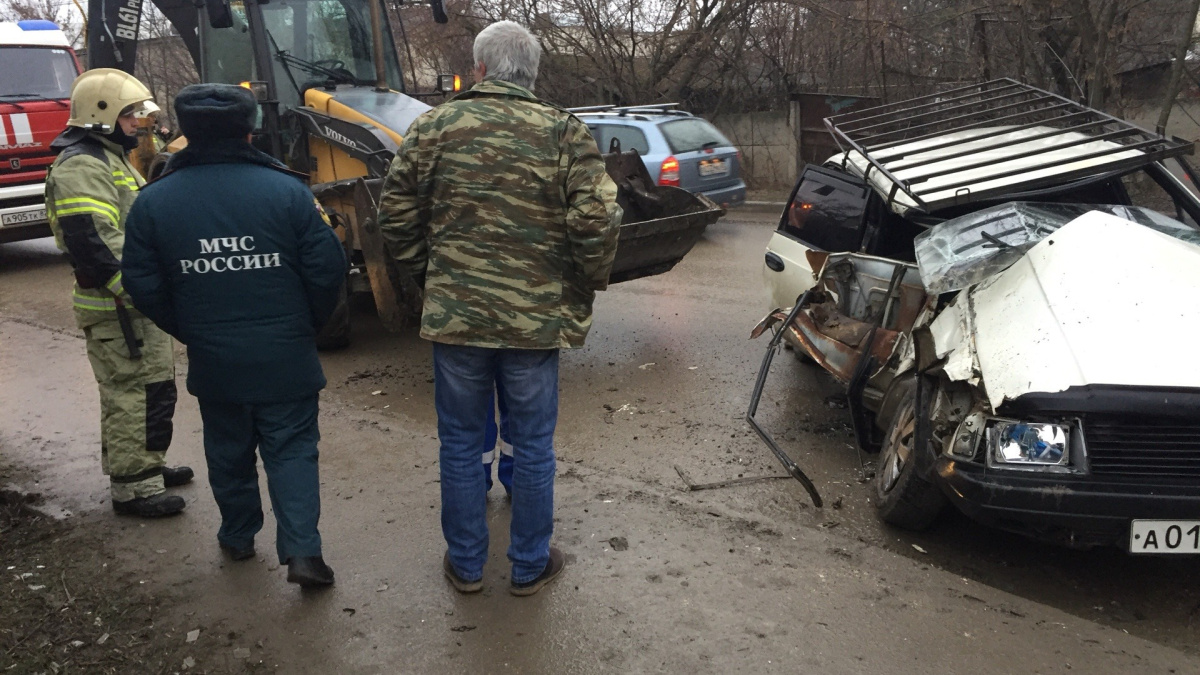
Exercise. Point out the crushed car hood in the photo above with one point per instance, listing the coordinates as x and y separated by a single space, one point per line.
1101 301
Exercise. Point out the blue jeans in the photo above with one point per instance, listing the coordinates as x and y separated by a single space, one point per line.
527 381
286 436
498 433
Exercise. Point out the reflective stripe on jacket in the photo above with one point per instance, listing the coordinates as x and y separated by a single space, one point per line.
90 188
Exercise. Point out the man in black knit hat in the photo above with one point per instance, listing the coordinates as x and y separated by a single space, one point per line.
229 253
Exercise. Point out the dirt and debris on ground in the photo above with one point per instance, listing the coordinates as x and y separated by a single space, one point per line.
745 577
69 606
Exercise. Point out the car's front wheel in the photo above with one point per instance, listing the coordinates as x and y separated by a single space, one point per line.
158 165
902 497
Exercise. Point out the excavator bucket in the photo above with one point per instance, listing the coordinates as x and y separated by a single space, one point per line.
661 223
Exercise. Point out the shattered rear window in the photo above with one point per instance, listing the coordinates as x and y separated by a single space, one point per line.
966 250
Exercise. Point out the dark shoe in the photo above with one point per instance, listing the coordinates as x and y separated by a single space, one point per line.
310 572
460 584
176 476
553 568
238 553
156 506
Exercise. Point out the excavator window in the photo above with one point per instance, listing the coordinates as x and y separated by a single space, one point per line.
314 43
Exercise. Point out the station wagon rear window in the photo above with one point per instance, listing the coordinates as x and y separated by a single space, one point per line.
630 138
692 134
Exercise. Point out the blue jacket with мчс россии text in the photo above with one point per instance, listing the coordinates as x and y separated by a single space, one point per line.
229 253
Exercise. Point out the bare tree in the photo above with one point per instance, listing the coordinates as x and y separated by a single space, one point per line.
1183 43
163 62
67 14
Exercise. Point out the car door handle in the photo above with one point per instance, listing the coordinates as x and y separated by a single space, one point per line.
774 262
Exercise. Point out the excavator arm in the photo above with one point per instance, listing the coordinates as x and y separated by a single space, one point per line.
113 27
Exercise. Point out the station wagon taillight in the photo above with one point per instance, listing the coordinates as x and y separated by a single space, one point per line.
669 172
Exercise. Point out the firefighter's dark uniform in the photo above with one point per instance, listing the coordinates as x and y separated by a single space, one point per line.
228 252
90 188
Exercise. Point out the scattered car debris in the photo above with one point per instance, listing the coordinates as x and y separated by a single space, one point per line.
693 487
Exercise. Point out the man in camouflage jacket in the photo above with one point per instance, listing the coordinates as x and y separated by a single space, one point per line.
500 204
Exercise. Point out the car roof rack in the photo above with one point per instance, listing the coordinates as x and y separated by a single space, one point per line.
632 110
981 141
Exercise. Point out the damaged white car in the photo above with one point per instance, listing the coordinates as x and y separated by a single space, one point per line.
1011 329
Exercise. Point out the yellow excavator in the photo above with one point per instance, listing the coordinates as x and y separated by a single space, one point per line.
334 106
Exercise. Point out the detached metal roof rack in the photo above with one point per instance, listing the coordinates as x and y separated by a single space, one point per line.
915 143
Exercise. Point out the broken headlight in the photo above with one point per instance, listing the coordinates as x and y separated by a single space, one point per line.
1028 444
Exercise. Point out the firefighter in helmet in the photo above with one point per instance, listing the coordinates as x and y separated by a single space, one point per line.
89 190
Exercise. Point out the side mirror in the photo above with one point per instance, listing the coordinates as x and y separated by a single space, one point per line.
449 84
219 14
439 11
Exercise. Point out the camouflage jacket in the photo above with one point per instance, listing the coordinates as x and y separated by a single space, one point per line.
502 204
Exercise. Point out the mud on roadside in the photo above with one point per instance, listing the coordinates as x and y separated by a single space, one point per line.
66 609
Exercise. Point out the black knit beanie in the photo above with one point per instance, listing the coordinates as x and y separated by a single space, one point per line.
215 112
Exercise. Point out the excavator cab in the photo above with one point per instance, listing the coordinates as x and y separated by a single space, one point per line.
326 74
310 43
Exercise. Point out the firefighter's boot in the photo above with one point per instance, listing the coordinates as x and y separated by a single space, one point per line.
155 506
177 475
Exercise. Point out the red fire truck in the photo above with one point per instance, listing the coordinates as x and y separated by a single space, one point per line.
35 93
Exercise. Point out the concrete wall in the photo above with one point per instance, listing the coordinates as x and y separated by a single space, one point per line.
768 148
1184 121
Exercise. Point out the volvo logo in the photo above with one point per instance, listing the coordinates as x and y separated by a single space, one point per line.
15 163
339 138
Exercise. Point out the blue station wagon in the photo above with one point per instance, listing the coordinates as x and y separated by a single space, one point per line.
677 148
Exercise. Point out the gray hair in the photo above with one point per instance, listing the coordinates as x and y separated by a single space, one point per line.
509 52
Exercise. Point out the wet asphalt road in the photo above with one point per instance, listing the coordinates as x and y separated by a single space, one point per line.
660 390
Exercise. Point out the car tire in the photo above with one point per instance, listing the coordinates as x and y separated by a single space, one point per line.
335 334
158 165
902 497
